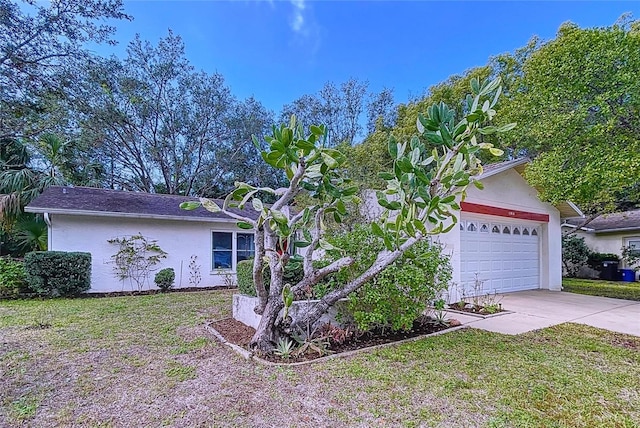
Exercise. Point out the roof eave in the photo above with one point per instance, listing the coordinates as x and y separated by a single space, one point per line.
42 210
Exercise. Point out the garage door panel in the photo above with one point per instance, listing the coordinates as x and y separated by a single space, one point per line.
505 261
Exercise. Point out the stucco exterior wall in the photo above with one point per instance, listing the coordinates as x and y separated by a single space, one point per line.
611 243
180 239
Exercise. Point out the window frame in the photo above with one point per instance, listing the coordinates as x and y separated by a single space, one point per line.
234 249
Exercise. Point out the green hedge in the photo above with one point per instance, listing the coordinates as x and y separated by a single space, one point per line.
244 273
12 278
58 273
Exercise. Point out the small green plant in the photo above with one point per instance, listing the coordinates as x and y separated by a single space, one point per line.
575 254
284 348
492 308
136 258
12 278
164 279
195 277
631 256
440 318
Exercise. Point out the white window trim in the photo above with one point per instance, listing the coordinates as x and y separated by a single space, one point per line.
234 250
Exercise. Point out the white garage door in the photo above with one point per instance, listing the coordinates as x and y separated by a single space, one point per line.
505 256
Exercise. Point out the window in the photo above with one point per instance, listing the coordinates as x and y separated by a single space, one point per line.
245 246
634 246
534 232
516 231
228 248
495 229
222 250
471 227
525 231
506 230
484 228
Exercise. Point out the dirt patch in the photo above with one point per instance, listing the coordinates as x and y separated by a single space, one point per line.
323 344
626 342
234 331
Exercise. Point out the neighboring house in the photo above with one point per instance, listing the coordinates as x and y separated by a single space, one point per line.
506 235
84 219
608 233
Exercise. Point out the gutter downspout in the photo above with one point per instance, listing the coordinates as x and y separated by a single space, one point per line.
47 220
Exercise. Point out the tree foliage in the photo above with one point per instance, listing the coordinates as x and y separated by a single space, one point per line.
427 181
576 100
160 126
39 42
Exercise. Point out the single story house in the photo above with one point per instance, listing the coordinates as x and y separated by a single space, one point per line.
506 235
85 219
608 233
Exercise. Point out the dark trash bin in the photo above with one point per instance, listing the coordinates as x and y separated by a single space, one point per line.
609 270
627 275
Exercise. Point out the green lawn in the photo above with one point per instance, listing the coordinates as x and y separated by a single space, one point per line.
146 361
615 289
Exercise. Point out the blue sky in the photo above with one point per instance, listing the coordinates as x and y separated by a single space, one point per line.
280 50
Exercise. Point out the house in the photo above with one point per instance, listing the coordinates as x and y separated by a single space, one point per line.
608 233
85 219
507 238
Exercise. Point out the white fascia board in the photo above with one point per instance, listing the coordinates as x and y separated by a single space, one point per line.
125 215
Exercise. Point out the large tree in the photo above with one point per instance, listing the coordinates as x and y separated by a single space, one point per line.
339 108
161 126
576 100
429 176
39 42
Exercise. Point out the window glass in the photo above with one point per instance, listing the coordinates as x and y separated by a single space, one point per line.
506 230
472 227
534 232
495 229
245 246
222 250
634 246
516 231
525 231
484 228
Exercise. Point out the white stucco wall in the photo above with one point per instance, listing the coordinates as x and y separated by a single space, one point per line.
180 239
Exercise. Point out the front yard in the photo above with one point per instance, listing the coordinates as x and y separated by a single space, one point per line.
147 361
595 287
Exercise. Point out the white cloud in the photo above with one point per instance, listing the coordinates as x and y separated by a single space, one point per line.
297 22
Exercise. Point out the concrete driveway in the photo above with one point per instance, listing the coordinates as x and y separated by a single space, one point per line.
533 310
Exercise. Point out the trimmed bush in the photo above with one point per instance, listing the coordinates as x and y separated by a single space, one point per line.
595 259
12 278
399 294
58 273
164 279
244 273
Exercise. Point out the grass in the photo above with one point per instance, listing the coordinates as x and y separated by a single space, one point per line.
615 289
146 361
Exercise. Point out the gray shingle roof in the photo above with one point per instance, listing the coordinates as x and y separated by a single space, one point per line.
87 200
627 220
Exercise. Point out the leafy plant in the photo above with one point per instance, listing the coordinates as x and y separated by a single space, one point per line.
164 279
440 318
58 273
631 256
336 334
244 274
136 258
575 254
12 277
284 348
195 277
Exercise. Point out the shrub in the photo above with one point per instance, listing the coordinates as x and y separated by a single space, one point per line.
244 273
12 278
58 273
293 273
595 259
164 279
575 254
402 292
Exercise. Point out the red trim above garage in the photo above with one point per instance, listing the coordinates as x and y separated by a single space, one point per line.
469 207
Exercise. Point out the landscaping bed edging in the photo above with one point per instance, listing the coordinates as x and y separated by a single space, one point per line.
248 355
477 315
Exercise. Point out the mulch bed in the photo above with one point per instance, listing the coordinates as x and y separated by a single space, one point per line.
474 309
240 334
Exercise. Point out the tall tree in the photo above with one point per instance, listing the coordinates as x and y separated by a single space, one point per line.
339 108
161 126
577 104
38 41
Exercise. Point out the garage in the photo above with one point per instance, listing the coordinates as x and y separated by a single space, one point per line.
504 255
